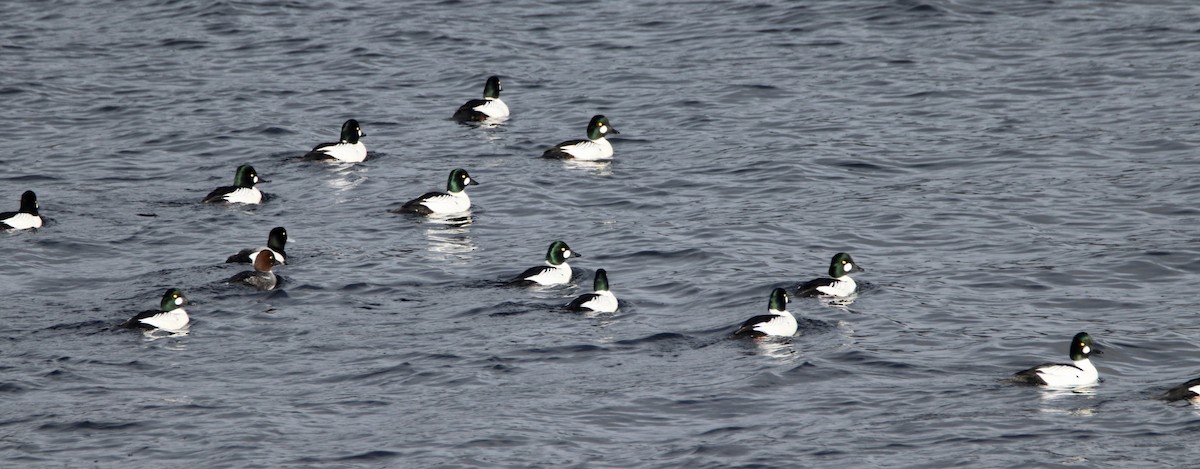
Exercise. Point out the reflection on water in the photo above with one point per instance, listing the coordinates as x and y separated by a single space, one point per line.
450 236
604 318
598 168
779 349
492 123
157 334
346 176
180 400
1049 393
839 302
1069 395
599 319
1082 412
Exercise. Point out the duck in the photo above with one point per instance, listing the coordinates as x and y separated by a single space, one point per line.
595 148
349 149
490 108
777 322
1188 390
26 217
276 239
1080 372
170 316
261 277
242 191
840 285
600 300
454 200
555 272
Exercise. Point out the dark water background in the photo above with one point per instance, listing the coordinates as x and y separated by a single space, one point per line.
1010 173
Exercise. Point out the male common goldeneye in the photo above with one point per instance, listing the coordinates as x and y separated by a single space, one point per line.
349 149
601 300
275 242
778 321
25 218
242 191
840 285
595 148
454 200
1079 372
555 272
482 110
169 317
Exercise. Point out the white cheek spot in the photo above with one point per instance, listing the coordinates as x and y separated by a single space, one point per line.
603 129
849 266
178 301
566 254
1087 350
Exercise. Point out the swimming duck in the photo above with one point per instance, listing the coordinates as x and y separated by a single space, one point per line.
242 191
261 277
1079 372
348 150
488 108
169 317
25 218
555 272
276 239
454 200
777 322
595 148
601 300
1188 390
840 285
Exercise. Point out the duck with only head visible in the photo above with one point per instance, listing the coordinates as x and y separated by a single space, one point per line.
261 277
777 322
25 218
840 285
1080 372
275 242
555 272
601 300
349 149
595 148
242 191
453 201
169 317
488 109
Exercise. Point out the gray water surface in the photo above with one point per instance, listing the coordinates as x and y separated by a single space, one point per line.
1010 173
